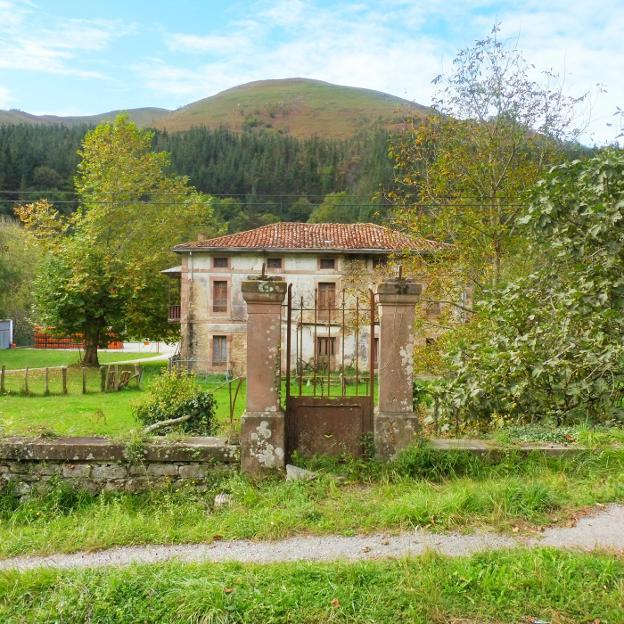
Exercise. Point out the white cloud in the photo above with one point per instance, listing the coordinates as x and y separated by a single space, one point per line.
34 41
397 46
583 45
352 46
207 43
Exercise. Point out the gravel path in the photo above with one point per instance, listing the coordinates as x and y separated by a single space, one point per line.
604 530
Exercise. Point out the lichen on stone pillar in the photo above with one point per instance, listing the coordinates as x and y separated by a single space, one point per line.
263 435
396 424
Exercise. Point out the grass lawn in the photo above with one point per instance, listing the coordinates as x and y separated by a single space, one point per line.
36 358
107 414
420 489
502 587
75 414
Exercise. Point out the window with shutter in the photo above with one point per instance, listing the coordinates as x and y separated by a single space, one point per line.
325 346
326 299
219 296
219 349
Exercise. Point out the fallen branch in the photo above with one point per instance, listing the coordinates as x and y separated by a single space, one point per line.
167 423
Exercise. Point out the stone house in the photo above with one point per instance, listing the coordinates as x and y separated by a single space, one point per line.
314 258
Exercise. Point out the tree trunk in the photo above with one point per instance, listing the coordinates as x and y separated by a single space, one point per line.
90 357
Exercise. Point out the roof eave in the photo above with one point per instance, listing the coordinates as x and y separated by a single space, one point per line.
280 250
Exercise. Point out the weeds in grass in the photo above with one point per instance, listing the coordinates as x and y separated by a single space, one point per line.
421 488
511 586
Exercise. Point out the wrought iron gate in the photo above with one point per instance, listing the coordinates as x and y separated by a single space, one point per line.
330 374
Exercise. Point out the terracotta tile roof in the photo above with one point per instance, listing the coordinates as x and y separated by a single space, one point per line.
349 237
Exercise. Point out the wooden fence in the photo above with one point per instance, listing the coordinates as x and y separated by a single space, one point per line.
62 380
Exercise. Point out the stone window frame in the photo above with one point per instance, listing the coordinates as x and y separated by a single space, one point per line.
322 313
271 269
225 268
228 309
320 260
220 363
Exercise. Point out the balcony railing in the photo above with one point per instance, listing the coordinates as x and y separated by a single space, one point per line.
174 313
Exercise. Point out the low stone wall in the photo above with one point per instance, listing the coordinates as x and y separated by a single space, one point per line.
99 464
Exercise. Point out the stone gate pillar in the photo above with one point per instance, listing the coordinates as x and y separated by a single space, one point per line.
395 420
263 436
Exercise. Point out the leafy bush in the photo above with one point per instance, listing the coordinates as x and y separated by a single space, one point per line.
548 346
174 395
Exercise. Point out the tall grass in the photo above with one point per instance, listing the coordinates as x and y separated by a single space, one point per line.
439 491
504 587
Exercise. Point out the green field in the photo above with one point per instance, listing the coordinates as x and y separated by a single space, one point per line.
94 413
504 587
108 414
35 358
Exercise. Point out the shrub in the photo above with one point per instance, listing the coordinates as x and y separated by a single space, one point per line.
548 347
173 395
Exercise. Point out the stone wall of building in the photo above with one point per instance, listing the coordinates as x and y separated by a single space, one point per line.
199 323
98 464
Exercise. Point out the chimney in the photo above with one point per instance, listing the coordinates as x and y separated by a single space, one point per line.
201 237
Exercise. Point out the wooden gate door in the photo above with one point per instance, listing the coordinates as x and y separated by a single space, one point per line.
330 375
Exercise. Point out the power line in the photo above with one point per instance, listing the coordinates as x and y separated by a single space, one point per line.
273 195
207 203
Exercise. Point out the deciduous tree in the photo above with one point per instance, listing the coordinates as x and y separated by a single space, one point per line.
462 171
101 273
549 345
19 258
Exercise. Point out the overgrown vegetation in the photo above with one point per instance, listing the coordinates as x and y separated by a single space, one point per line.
548 346
462 172
422 488
175 396
513 586
19 260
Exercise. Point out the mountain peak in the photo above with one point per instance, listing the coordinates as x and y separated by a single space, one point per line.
299 107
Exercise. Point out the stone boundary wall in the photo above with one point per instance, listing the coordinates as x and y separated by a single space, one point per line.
100 464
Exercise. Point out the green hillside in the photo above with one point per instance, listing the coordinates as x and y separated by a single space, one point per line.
141 116
297 107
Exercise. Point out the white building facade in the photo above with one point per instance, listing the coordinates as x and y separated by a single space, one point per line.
314 258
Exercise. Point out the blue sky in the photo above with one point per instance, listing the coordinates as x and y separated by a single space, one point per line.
71 57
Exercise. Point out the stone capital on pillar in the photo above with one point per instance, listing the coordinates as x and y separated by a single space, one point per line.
263 436
396 424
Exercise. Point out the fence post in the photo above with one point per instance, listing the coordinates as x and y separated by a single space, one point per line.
26 391
102 378
395 420
64 378
47 382
263 433
84 380
2 375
